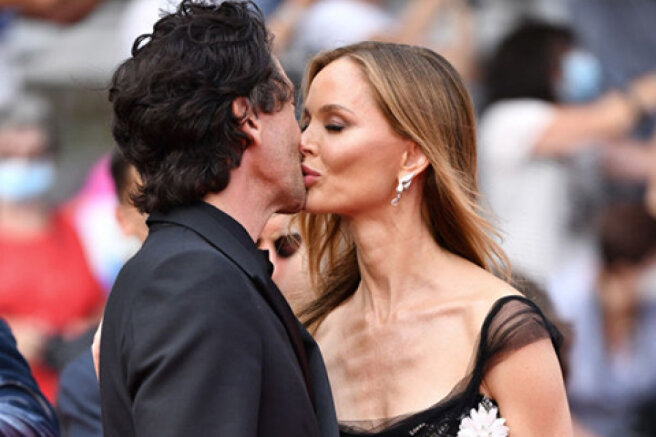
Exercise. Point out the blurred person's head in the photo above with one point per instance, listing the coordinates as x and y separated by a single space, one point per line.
198 94
287 254
376 113
627 243
126 181
27 168
541 61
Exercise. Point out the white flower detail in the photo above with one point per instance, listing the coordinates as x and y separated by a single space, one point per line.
483 423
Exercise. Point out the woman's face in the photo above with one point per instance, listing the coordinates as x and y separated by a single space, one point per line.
351 155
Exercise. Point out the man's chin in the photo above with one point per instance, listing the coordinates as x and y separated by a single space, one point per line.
295 205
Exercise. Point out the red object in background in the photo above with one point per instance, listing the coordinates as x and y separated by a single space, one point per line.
47 277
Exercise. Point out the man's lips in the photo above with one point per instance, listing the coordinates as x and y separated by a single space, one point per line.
310 176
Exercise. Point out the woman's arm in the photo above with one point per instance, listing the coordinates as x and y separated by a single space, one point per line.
528 386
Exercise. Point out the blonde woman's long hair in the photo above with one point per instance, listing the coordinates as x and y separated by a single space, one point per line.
424 99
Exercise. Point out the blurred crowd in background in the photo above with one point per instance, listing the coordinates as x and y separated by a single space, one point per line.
566 97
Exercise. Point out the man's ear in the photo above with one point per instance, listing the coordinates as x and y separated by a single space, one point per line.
249 122
413 159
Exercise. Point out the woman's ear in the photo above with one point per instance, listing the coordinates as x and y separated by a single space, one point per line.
248 120
413 159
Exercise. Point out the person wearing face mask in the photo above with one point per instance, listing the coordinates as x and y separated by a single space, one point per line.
543 110
613 351
46 286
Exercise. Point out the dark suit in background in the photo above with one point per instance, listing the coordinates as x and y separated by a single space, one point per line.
198 341
78 402
24 411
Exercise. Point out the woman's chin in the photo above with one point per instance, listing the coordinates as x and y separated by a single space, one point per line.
310 209
313 206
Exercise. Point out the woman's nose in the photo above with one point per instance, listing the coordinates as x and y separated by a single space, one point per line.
308 145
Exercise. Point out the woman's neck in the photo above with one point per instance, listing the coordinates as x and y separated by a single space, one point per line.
398 260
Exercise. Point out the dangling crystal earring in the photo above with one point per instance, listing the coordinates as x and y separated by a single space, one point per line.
404 184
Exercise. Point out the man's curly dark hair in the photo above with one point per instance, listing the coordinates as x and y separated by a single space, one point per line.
172 99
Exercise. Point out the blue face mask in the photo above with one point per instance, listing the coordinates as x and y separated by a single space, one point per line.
23 180
581 77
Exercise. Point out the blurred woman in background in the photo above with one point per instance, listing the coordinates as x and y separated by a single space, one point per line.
542 109
46 286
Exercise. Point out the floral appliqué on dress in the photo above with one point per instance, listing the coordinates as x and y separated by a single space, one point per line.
484 422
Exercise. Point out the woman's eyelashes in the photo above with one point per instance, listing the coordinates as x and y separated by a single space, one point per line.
331 126
334 123
334 127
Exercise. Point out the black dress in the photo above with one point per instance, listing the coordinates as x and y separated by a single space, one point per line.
513 322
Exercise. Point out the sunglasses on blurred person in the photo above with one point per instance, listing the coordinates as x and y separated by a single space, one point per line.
284 246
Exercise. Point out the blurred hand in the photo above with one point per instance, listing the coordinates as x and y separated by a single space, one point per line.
643 89
303 3
59 11
32 7
31 337
628 160
95 350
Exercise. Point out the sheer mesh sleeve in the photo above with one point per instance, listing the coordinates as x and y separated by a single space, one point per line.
512 323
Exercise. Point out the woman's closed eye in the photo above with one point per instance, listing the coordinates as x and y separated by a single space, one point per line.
334 127
331 127
334 123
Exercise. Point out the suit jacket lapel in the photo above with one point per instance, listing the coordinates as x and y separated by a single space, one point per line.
227 236
284 312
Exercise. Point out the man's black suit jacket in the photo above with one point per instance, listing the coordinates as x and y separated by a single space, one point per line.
198 341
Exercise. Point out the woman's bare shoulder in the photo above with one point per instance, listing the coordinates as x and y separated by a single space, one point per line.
485 291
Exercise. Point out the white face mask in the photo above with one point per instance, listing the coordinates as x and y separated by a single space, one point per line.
581 77
23 179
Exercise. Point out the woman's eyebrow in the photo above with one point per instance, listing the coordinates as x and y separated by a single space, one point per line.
334 107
